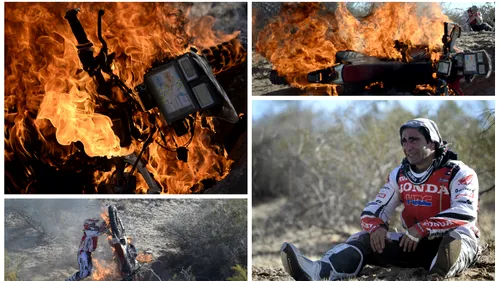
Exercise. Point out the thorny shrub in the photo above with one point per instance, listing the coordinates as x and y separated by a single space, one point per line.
210 238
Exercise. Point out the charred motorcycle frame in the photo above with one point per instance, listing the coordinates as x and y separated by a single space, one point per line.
173 90
358 69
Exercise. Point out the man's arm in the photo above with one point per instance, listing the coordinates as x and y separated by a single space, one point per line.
479 18
464 196
379 211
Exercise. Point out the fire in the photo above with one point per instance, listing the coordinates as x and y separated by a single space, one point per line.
52 109
305 36
104 271
144 257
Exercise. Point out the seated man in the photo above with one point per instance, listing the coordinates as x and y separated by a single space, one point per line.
440 199
474 19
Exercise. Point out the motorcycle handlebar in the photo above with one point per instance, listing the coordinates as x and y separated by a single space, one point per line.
77 27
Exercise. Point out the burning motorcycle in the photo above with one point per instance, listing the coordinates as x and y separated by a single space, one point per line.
173 91
126 252
356 72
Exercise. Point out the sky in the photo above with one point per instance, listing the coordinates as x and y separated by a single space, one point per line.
465 5
262 107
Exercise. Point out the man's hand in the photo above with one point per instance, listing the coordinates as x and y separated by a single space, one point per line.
377 239
407 243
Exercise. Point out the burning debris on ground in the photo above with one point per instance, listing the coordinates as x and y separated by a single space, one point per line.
303 42
95 97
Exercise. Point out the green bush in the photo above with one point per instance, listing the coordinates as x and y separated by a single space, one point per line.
210 237
12 268
240 273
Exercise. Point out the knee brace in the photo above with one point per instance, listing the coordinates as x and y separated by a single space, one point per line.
447 255
346 261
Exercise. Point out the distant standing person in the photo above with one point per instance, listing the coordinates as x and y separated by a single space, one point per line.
474 19
440 199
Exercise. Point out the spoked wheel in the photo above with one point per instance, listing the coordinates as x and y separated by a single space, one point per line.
115 222
119 231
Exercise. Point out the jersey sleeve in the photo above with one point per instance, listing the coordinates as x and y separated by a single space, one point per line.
479 18
377 212
464 196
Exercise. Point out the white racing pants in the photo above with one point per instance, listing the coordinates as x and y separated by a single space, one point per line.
85 264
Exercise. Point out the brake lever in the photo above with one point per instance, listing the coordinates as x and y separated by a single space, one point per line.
104 59
99 32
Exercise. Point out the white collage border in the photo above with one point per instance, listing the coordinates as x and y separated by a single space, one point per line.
249 138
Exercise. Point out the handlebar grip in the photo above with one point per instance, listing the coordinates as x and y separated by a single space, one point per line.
76 26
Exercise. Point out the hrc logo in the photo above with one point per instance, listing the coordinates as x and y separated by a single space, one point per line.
466 180
418 200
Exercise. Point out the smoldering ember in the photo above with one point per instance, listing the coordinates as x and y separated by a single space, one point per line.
368 49
125 97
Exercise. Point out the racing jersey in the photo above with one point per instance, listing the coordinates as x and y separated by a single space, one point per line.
449 199
89 240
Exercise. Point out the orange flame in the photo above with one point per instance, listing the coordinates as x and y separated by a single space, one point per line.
104 271
51 101
144 257
305 36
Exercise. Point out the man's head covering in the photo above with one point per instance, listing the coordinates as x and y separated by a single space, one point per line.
474 8
429 126
442 154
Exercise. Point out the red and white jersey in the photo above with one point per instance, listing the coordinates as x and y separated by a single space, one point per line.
473 17
89 240
449 199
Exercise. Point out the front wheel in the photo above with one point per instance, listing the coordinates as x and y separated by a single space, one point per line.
115 222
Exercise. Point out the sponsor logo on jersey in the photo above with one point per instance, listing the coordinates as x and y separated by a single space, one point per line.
366 225
465 195
438 224
417 200
465 201
443 180
427 188
466 180
464 188
403 178
381 195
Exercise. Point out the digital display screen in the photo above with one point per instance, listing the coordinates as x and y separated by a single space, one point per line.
479 57
470 63
187 68
444 67
172 97
203 95
482 69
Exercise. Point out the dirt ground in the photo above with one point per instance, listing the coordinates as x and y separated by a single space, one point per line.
45 248
261 68
314 242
